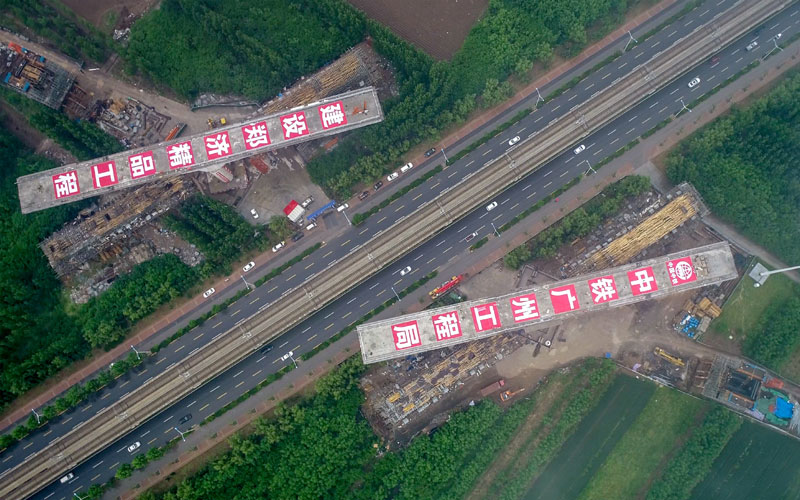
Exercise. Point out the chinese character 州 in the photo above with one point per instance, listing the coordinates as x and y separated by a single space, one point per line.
66 184
180 155
217 145
603 289
485 317
642 281
332 115
141 165
255 135
406 335
524 308
446 325
564 299
104 174
294 125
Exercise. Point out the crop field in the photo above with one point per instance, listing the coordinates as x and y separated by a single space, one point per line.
597 434
756 463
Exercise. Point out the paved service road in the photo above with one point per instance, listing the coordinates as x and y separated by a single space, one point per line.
445 247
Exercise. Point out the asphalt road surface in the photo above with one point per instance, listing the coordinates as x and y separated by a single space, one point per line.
446 247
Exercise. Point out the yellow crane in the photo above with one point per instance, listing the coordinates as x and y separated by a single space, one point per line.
661 353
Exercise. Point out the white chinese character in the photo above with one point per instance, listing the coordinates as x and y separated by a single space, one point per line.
294 125
180 155
446 326
256 135
103 178
141 165
524 308
331 115
603 290
643 280
490 315
66 184
406 335
568 293
217 145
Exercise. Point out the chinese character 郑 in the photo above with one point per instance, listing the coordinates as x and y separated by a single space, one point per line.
217 145
603 289
446 325
406 335
141 165
564 299
180 155
294 125
332 115
104 174
66 184
524 308
642 281
485 317
255 135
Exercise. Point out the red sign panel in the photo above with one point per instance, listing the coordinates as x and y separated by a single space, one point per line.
485 317
180 155
564 299
681 271
603 289
255 135
142 164
66 184
332 115
524 308
446 325
406 335
294 125
217 145
104 174
642 281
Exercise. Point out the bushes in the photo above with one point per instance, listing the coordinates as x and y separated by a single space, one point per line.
694 460
779 335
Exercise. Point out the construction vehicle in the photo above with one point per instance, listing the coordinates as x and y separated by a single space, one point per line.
223 121
492 387
444 287
210 124
661 353
175 132
506 395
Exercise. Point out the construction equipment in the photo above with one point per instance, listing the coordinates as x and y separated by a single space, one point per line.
210 124
493 387
506 395
444 287
223 121
661 353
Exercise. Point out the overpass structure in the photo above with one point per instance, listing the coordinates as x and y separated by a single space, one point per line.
297 304
446 326
206 152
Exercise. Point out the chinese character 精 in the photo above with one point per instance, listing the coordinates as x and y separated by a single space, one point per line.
180 155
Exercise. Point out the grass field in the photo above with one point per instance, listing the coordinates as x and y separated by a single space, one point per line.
756 463
597 434
668 416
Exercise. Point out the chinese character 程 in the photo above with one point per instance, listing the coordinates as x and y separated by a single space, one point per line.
564 299
603 289
332 115
255 135
104 174
524 308
406 335
485 317
141 165
66 184
217 145
180 155
446 325
642 281
294 125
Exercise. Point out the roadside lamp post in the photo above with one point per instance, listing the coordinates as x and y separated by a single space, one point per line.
765 274
496 233
443 154
138 356
590 167
181 433
539 97
775 42
631 39
683 106
395 294
76 495
344 212
246 284
38 419
289 355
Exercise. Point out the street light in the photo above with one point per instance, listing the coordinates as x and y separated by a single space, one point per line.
246 284
765 274
346 217
395 294
539 97
289 355
38 420
590 167
631 39
496 233
774 41
683 106
137 352
443 154
181 433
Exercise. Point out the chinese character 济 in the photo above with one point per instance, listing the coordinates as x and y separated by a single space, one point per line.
332 115
255 135
446 325
141 165
294 125
217 145
524 308
406 335
66 184
180 155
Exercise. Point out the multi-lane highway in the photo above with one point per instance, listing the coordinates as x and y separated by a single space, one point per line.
442 248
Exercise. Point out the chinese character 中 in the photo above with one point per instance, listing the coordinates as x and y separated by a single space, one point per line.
644 281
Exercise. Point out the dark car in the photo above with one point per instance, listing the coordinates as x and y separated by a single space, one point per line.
266 349
297 236
714 60
185 418
430 152
378 185
363 195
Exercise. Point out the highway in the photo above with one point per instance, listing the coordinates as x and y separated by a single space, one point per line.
443 247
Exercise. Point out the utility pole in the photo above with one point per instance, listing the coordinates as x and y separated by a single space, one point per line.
346 217
775 42
289 355
631 39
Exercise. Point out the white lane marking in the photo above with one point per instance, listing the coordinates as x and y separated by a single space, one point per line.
673 33
735 52
373 286
167 419
622 65
98 463
612 132
440 243
239 373
565 173
214 389
589 87
417 257
598 152
704 12
573 97
632 118
526 187
629 131
188 406
606 76
655 44
548 173
504 201
307 329
530 195
351 300
463 228
646 120
556 107
637 56
547 184
521 130
259 360
662 109
690 22
677 89
615 140
740 59
711 77
773 27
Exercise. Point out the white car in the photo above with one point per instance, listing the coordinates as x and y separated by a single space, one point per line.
135 446
392 176
694 82
249 266
471 237
491 206
752 45
513 141
308 201
579 149
208 293
343 206
278 246
311 226
67 478
254 213
405 168
405 271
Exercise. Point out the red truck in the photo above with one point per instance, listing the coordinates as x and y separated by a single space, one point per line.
492 388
